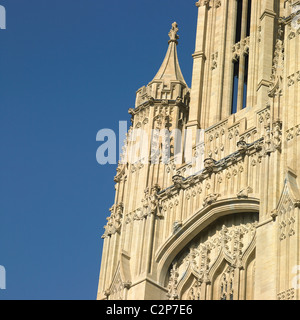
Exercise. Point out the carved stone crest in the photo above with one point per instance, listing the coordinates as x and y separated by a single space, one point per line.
209 165
178 182
210 199
244 193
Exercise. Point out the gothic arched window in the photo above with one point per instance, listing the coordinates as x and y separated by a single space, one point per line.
241 49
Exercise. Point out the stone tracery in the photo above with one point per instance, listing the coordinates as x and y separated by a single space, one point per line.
225 243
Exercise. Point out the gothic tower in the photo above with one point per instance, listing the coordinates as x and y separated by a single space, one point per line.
220 221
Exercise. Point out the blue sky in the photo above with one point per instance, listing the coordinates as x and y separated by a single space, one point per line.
68 69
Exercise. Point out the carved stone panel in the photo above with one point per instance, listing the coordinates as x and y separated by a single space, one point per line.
214 260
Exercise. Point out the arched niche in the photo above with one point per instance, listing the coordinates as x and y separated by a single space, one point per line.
191 228
219 262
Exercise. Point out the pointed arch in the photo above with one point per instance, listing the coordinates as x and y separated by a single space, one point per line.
290 191
222 284
248 253
121 279
189 275
217 263
190 289
249 276
116 288
286 217
193 227
222 258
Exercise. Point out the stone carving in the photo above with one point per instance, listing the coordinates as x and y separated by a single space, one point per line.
286 295
202 3
274 214
177 226
118 216
242 146
277 69
173 282
116 290
285 212
107 293
268 140
214 58
120 170
139 214
179 101
210 199
154 201
226 286
240 48
114 222
244 193
277 135
200 257
297 204
272 138
195 291
286 224
192 181
173 33
209 165
128 218
150 204
178 182
291 80
218 4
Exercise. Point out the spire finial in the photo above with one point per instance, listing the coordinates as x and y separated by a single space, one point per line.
173 33
170 69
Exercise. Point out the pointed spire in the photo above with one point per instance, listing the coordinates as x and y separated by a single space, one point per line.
168 82
170 69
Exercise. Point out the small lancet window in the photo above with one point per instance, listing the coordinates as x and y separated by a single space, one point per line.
245 82
248 18
238 28
241 65
235 87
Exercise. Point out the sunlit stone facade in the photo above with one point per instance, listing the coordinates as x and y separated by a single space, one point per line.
228 229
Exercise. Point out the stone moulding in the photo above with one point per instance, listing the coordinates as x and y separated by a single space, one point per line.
205 270
194 225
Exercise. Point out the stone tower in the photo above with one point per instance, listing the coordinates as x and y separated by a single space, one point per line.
220 221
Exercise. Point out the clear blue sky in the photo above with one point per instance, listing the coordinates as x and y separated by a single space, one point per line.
68 69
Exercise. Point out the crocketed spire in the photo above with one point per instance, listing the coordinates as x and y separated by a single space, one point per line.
169 82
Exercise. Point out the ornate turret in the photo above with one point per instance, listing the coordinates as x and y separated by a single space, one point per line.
169 82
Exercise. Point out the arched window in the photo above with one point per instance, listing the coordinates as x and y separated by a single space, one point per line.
218 263
241 64
235 85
